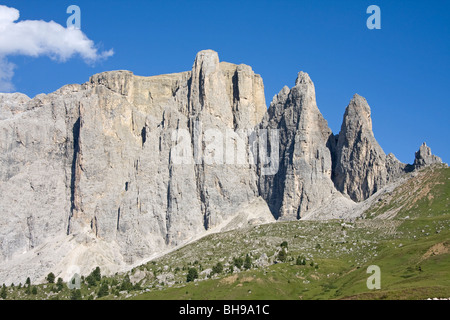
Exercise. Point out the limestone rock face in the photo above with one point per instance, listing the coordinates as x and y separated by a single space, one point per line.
395 168
35 168
424 157
122 168
360 167
100 164
303 180
12 104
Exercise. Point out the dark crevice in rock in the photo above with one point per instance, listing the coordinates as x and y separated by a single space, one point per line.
118 218
94 225
235 101
144 135
30 232
76 149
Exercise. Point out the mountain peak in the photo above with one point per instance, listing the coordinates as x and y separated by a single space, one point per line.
424 157
358 107
303 78
359 170
207 61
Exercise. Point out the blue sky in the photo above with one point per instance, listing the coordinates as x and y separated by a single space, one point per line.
402 69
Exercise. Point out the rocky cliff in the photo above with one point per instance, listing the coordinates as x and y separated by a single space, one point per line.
360 167
303 181
123 168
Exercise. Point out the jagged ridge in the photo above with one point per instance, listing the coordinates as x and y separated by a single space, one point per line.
92 166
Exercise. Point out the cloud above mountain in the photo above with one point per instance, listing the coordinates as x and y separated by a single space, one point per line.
36 38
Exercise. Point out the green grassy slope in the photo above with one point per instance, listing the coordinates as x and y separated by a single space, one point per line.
413 253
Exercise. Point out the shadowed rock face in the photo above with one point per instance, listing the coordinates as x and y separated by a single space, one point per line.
360 167
303 181
424 157
88 176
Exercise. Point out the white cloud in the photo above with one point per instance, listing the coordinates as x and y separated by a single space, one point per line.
40 38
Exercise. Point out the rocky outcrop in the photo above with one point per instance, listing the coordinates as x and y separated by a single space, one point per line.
394 168
360 166
303 180
127 162
424 157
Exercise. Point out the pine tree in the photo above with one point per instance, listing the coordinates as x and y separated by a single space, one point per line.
76 294
248 262
126 284
51 278
28 290
282 255
218 268
103 291
3 293
192 275
59 284
97 274
238 262
34 290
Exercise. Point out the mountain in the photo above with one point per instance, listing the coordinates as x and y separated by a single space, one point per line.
124 168
405 232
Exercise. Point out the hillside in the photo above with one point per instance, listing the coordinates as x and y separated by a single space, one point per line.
412 253
324 260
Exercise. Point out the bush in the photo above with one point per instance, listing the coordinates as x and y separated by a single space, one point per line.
238 262
248 262
284 245
3 293
301 261
103 291
192 275
218 268
28 290
94 277
282 255
137 287
51 278
34 290
126 284
91 281
97 274
76 294
59 284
